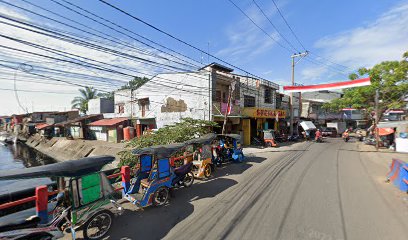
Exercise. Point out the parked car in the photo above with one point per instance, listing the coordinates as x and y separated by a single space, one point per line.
329 132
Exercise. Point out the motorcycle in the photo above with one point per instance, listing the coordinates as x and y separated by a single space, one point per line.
319 139
184 175
346 137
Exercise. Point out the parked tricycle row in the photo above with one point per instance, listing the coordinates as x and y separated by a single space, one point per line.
86 200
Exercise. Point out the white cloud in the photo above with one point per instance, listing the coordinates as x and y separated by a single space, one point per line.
12 13
245 39
384 39
313 72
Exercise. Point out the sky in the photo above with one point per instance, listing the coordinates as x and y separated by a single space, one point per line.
341 37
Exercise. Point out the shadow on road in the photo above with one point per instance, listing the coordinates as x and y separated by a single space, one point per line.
236 168
156 222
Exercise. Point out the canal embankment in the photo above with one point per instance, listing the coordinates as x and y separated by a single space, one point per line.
63 149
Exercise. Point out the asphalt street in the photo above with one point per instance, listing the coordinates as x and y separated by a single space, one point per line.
304 191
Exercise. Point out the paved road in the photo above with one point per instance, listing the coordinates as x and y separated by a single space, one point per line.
305 191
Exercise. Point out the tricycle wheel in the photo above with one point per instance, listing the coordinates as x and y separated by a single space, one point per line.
188 179
160 196
207 171
269 144
98 225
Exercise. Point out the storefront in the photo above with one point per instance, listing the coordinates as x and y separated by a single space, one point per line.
257 119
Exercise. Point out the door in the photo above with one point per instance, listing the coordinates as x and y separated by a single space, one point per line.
246 128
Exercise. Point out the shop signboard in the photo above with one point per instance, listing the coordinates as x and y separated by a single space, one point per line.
263 112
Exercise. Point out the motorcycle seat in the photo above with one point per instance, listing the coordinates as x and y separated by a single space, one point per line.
30 222
183 169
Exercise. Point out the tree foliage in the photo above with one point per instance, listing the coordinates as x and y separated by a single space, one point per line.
389 77
81 102
108 95
187 129
135 83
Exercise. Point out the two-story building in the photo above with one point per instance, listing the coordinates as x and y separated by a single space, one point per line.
312 109
204 94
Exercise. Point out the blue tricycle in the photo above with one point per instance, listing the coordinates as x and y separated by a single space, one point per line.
156 177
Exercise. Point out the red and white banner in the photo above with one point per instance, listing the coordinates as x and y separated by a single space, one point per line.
328 86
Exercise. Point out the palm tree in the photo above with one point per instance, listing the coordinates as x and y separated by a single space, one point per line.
81 102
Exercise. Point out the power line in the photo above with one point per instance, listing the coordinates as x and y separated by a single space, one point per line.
259 27
176 38
273 25
306 59
37 91
287 24
127 30
116 40
71 41
298 40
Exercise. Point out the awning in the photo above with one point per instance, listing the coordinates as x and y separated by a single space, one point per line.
385 131
392 124
108 122
41 126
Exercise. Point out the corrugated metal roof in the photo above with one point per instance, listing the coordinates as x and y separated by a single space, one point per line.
108 122
42 126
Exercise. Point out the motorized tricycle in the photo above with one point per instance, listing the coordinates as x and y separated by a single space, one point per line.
153 188
203 160
229 149
84 199
269 138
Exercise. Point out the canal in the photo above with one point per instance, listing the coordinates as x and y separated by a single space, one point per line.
19 155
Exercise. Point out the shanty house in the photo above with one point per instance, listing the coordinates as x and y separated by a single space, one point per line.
110 130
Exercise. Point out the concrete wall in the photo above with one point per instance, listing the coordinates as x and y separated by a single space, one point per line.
249 88
171 97
62 149
100 105
123 98
321 96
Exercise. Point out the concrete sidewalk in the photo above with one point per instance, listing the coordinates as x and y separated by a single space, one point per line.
376 166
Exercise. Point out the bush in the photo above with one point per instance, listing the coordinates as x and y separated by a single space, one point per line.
185 130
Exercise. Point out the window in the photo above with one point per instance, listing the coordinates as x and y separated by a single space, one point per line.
268 95
218 96
279 101
249 101
121 108
224 97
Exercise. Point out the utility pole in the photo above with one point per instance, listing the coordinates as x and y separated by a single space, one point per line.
131 103
301 55
377 119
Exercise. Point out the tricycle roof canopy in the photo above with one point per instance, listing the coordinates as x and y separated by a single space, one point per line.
235 136
161 151
206 139
71 168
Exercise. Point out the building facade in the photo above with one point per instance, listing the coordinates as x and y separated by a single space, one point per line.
312 106
204 94
100 105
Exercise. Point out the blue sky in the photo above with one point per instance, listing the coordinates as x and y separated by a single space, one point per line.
350 33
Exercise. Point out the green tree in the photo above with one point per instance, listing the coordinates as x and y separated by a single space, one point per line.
187 129
135 83
389 77
81 102
108 95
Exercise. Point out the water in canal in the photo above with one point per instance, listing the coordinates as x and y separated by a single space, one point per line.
19 155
